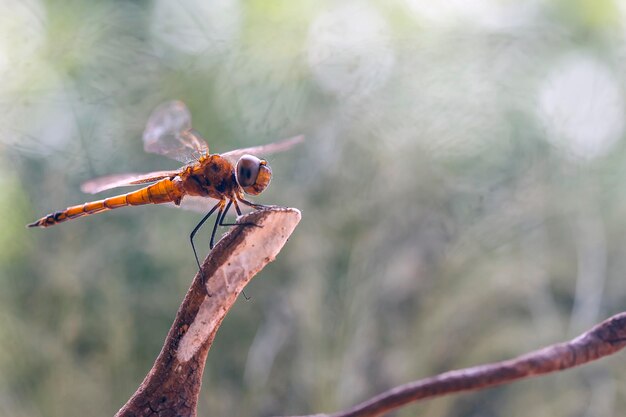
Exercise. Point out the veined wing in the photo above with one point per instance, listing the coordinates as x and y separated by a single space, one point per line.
194 203
120 180
169 132
261 150
201 204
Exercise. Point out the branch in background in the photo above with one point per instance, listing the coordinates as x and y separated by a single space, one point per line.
604 339
173 384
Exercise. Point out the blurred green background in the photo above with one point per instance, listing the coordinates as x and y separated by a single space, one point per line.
462 190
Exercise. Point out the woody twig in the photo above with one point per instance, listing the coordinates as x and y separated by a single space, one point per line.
173 384
602 340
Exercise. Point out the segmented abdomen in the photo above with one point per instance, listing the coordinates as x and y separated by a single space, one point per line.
164 191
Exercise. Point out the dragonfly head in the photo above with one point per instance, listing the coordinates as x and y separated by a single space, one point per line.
253 174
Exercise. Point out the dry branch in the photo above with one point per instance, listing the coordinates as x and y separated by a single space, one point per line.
602 340
172 386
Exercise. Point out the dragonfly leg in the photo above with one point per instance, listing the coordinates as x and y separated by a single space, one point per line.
238 213
198 226
195 230
236 224
230 202
237 208
218 221
251 204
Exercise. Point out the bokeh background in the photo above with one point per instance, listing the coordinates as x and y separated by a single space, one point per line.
462 188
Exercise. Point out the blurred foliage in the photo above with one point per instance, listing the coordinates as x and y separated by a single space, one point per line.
461 189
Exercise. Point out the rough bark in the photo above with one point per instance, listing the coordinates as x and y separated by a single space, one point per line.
172 386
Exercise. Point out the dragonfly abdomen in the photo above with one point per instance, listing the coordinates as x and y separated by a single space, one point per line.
164 191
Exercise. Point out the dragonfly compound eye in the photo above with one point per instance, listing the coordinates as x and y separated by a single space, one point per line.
253 174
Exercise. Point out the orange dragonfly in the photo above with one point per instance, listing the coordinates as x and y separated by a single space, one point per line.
224 177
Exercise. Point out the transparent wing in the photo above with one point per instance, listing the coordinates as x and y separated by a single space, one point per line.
262 150
201 204
194 203
168 132
120 180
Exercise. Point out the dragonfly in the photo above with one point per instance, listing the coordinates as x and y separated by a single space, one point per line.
205 177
